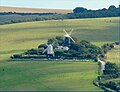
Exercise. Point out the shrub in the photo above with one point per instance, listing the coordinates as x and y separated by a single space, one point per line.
111 69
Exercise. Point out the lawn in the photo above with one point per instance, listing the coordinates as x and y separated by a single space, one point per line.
47 75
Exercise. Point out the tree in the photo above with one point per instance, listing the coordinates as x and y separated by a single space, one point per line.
79 10
104 9
112 7
107 47
50 41
60 40
73 53
74 46
112 69
42 46
32 52
59 53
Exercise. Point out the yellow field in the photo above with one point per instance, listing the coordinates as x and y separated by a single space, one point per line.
32 10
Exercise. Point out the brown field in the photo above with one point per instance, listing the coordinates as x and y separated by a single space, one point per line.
32 10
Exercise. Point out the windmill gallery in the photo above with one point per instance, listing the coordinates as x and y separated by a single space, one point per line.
61 48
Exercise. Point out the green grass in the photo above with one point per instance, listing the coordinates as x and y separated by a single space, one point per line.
47 75
113 55
31 34
38 75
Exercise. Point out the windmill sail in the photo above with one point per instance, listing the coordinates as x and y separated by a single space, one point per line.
65 32
49 49
72 39
68 37
71 32
44 50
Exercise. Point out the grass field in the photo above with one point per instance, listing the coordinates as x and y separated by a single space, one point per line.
47 75
114 55
31 34
38 75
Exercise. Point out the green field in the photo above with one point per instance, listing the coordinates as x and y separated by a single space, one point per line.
48 75
114 55
38 75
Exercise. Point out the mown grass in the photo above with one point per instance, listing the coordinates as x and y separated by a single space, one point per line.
47 75
38 75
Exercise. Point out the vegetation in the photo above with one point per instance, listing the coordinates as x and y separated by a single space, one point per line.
39 75
47 75
111 69
78 12
107 47
112 52
22 36
110 74
82 50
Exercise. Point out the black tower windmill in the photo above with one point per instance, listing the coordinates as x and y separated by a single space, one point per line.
68 38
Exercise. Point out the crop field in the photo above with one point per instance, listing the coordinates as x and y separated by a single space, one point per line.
51 75
32 10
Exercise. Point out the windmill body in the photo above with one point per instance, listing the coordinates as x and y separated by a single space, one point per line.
68 38
49 50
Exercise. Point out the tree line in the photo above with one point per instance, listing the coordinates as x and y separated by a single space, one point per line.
78 12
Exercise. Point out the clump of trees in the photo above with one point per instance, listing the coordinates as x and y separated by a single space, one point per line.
80 10
83 49
111 69
113 85
111 72
107 47
110 86
34 52
80 50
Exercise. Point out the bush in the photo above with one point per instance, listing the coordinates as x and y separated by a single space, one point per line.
111 69
17 56
32 52
42 46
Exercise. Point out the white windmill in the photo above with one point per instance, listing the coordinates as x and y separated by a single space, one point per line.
68 38
49 50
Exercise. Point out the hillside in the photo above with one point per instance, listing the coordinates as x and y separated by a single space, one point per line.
27 35
51 75
32 10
